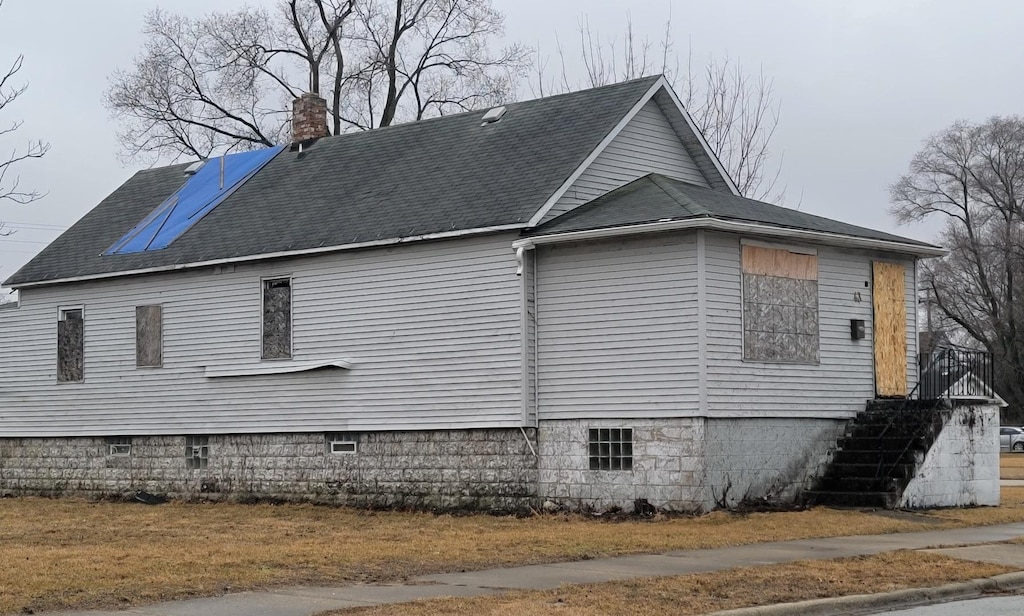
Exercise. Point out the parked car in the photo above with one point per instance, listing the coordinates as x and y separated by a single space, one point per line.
1011 438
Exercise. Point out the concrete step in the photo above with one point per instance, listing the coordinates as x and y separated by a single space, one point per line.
858 484
882 443
884 500
887 458
897 471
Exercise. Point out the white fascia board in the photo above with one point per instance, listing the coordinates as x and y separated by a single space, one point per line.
703 142
731 226
277 255
543 211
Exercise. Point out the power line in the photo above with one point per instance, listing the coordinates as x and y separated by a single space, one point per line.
7 239
35 226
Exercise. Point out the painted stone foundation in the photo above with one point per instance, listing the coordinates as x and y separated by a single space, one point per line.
766 458
667 465
453 469
692 464
962 465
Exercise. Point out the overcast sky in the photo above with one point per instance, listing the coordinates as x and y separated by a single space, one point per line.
861 83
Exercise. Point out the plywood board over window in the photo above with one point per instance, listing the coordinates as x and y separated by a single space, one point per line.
148 336
890 329
780 305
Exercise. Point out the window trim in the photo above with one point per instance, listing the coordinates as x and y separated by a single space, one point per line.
116 445
200 442
621 461
62 313
344 439
799 250
291 316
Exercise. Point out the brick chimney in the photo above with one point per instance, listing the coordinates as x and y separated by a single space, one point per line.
309 118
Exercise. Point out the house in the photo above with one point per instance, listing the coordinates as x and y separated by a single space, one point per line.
561 300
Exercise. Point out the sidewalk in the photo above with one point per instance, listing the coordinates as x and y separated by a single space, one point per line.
307 600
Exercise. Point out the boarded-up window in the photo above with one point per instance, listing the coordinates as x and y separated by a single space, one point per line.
70 345
277 318
148 336
780 305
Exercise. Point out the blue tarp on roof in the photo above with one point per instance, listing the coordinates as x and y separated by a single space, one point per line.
202 192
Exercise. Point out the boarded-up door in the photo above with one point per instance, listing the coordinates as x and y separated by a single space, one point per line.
890 329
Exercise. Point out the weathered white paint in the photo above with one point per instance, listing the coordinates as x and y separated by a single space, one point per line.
617 328
647 144
962 466
835 387
770 458
432 331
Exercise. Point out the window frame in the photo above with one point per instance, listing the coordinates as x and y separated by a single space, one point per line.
619 453
344 439
798 250
197 444
264 281
62 315
116 446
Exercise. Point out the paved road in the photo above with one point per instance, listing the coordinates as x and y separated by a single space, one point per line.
990 606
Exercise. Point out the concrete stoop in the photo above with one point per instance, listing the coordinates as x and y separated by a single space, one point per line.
882 451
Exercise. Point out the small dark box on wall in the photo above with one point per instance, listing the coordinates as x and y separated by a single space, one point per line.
856 329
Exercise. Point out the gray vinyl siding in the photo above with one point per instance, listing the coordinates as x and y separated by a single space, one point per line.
911 284
530 336
617 328
647 144
433 331
835 387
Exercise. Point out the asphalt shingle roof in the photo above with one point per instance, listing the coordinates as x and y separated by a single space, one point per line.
655 197
431 176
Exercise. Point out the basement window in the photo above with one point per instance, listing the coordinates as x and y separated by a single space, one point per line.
119 446
342 443
70 344
611 449
197 452
148 336
277 318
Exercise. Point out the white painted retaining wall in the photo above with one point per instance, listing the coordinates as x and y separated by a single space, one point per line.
962 466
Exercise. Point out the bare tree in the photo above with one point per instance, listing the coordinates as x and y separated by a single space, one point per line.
10 185
736 110
226 80
972 177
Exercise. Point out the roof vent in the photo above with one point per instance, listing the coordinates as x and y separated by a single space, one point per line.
196 166
493 115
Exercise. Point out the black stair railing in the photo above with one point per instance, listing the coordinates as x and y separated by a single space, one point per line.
955 373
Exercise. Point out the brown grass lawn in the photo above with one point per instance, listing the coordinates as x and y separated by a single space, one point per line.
69 553
708 592
1011 465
